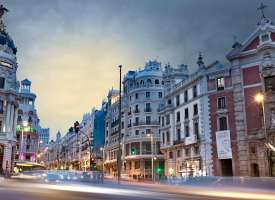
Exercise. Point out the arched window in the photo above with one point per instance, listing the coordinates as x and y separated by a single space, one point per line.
141 82
20 112
156 81
149 82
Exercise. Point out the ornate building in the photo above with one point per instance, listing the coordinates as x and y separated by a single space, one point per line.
142 95
252 72
27 125
9 97
185 138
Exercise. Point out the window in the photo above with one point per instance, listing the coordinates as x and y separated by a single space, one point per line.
168 137
169 102
177 100
136 121
185 96
220 83
196 130
178 135
186 128
162 121
195 94
187 152
163 138
0 126
148 131
265 37
147 94
148 120
195 109
136 110
223 123
221 103
179 153
137 164
137 132
167 119
156 81
160 95
147 107
178 116
136 95
1 106
2 82
171 155
186 113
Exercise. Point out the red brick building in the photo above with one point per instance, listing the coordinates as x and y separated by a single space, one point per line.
242 131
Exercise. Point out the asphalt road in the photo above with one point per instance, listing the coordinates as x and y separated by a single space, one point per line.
28 190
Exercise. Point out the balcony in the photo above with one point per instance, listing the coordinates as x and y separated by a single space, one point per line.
129 125
136 124
182 141
129 113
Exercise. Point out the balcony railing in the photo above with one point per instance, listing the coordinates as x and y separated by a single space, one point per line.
178 142
136 111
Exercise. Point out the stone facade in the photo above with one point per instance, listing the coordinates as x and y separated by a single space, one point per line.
185 138
142 95
9 99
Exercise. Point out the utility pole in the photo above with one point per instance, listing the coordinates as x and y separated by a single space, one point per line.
119 131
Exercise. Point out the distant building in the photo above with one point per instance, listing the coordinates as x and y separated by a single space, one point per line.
27 125
44 136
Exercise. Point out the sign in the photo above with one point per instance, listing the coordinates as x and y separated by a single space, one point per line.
223 144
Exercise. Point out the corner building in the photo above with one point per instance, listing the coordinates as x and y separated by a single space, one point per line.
142 95
9 99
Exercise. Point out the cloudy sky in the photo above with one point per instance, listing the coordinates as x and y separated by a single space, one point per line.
70 49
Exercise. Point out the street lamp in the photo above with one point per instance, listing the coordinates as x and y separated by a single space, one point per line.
260 98
152 155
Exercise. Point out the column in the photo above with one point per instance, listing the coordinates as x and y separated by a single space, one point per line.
11 118
15 121
7 117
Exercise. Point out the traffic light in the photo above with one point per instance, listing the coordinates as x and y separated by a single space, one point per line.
76 126
93 166
134 151
159 170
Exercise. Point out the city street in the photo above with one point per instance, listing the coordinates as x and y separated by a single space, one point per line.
12 189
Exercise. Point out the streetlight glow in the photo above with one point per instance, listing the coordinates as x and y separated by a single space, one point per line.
259 98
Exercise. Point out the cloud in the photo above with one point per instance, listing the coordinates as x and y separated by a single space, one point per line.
70 49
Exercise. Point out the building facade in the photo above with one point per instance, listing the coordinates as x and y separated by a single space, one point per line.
9 98
252 65
185 131
142 95
27 125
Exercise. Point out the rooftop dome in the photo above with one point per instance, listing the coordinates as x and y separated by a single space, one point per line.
152 68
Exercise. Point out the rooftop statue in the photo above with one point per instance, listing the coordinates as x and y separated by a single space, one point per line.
3 10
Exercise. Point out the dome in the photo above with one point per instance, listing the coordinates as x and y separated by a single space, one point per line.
152 68
6 40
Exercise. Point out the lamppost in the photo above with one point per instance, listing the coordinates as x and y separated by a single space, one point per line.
260 98
119 131
151 135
